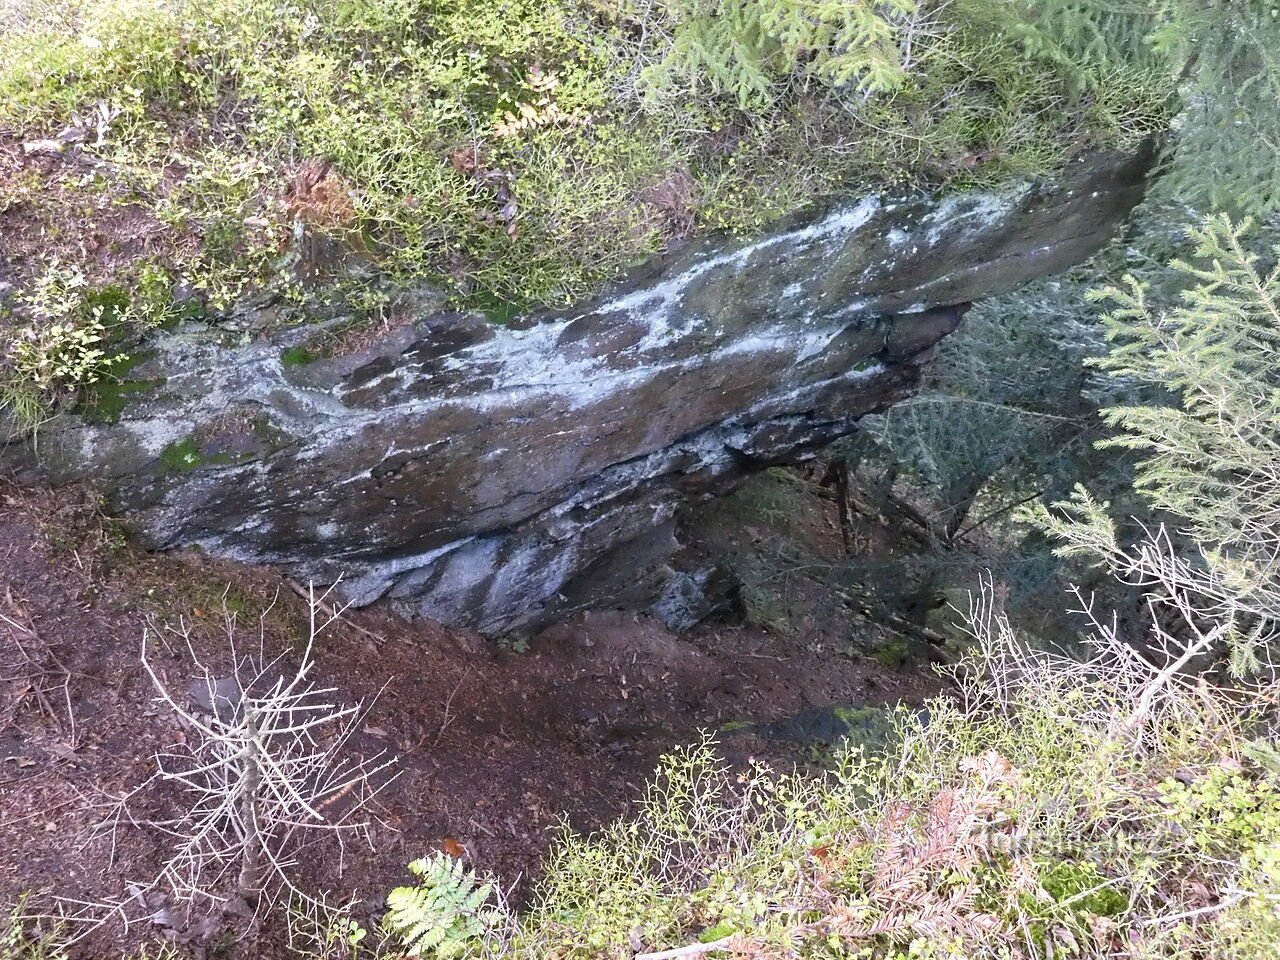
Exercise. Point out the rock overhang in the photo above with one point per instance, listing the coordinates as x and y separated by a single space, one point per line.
500 476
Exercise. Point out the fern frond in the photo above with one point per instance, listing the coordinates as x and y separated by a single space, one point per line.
444 915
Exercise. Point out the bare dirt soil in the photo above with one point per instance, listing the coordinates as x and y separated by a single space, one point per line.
496 747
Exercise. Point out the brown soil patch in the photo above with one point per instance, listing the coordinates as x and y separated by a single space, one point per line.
496 747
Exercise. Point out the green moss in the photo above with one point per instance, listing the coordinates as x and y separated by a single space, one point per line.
501 313
1083 888
1070 895
182 456
297 356
110 303
106 400
235 602
867 363
720 930
893 654
524 152
189 454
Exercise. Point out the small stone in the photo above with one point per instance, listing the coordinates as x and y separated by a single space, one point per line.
219 696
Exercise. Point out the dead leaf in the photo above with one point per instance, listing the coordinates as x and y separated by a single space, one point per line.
320 197
453 848
464 160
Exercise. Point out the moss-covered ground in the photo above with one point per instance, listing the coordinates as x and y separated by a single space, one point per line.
519 151
200 155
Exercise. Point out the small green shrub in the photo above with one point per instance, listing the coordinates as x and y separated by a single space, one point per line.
62 354
66 339
26 406
63 347
1206 432
751 51
1223 811
19 940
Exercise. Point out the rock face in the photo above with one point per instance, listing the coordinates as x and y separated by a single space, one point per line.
499 476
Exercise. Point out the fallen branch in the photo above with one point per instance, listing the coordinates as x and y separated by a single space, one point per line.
330 610
448 705
40 667
260 773
892 620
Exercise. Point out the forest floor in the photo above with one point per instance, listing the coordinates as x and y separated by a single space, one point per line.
495 746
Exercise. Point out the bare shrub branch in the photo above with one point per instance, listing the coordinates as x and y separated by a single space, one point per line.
261 773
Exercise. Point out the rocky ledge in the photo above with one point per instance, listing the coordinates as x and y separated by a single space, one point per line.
499 476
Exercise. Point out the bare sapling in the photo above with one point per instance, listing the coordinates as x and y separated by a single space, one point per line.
262 773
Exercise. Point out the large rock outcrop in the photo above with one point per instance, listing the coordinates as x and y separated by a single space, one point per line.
499 475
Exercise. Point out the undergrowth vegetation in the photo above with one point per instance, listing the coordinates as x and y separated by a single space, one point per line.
1053 809
64 346
1146 374
513 153
523 150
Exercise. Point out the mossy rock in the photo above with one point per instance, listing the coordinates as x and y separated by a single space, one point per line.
872 727
182 456
298 356
893 654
